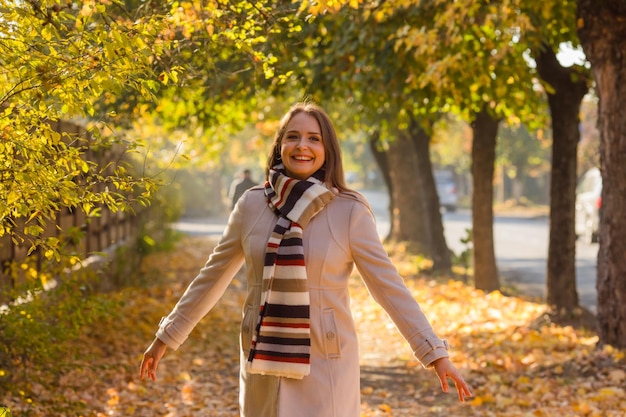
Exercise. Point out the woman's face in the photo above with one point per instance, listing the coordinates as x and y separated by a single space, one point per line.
302 146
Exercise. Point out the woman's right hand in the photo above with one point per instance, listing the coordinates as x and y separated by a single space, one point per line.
151 359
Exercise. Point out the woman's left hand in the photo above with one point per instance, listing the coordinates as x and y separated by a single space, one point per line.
151 358
445 369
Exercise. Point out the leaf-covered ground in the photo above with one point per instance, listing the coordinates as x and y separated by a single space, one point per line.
515 367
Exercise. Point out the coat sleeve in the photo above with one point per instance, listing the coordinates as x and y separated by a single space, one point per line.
208 286
388 289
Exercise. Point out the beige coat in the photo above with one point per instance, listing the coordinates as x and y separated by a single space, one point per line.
340 236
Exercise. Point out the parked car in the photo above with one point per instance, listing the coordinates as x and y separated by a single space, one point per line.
588 206
446 189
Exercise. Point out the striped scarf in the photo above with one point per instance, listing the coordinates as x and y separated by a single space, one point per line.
281 344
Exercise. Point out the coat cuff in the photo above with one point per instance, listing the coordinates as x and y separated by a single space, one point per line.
431 350
169 334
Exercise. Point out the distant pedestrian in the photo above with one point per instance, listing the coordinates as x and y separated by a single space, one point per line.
239 186
300 235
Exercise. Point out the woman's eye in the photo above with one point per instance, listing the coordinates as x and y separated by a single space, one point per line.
314 138
292 137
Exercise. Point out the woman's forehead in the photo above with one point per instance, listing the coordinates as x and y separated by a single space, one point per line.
303 122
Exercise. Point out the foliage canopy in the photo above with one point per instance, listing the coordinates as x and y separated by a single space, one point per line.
103 65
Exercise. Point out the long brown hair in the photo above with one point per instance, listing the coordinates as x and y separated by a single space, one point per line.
333 165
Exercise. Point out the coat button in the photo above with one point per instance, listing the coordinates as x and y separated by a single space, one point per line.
246 329
330 335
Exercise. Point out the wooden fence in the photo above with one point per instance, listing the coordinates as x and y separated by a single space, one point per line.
87 235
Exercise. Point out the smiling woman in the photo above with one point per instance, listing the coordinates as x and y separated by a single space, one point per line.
300 235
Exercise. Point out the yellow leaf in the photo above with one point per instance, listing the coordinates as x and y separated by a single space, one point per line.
12 197
385 407
611 391
495 378
477 401
583 407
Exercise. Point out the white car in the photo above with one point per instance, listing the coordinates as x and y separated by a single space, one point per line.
588 206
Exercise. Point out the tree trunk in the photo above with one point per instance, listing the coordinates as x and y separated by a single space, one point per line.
380 156
568 87
603 36
439 252
408 217
484 130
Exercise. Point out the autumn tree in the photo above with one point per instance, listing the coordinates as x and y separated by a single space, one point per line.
566 89
56 60
106 65
479 70
552 26
502 84
603 36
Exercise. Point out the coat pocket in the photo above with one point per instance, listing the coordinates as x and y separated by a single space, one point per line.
247 328
331 335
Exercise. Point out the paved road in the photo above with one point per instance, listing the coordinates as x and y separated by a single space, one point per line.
521 247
